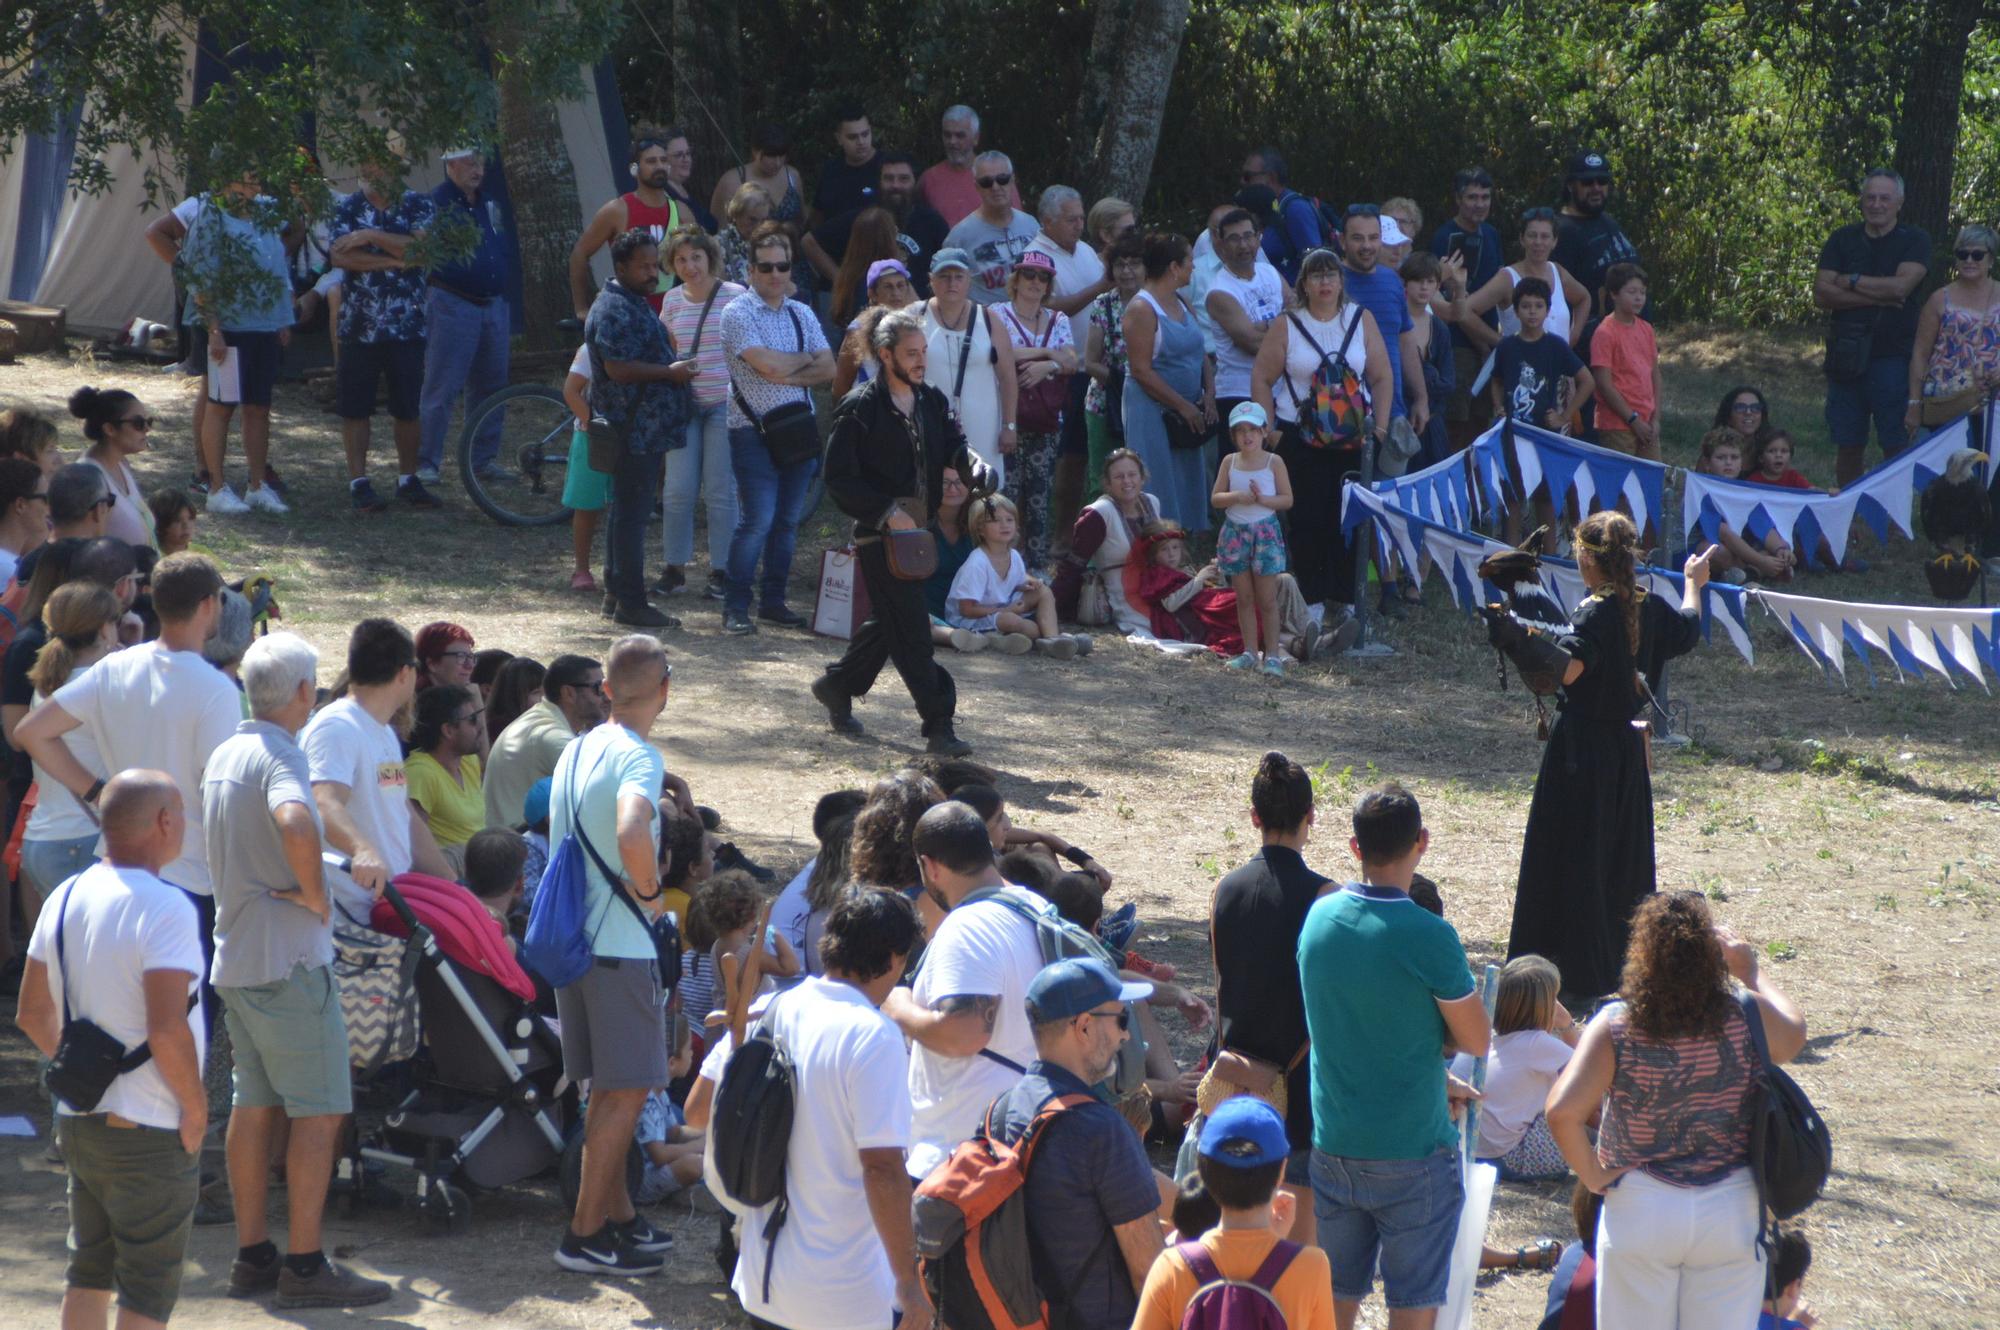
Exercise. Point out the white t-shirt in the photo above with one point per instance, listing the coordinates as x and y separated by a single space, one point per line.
347 746
147 706
1520 1070
978 581
117 924
830 1272
59 815
980 950
1301 361
1262 297
1076 270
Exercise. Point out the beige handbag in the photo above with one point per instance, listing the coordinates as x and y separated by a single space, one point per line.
1093 602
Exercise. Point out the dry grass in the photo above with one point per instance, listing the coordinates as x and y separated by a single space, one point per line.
1853 834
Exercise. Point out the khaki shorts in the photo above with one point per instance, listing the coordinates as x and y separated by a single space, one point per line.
614 1029
131 1204
1465 363
1627 442
290 1044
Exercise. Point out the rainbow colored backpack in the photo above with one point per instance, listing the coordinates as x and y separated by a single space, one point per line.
1335 412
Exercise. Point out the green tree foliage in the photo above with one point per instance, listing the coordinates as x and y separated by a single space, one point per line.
1738 131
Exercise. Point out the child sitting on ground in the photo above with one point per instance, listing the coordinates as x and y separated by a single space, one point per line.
1243 1154
1770 463
493 861
728 904
1190 606
1789 1263
1534 1039
993 593
1252 488
535 832
1195 1211
1723 451
671 1148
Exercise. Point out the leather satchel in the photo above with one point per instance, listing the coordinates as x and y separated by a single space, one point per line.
913 555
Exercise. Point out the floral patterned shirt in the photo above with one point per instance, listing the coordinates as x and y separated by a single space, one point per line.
1967 350
1107 313
385 306
622 326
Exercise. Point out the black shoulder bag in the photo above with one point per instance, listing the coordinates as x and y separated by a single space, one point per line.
87 1059
790 430
1791 1153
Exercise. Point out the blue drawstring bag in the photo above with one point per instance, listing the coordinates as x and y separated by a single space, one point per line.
555 946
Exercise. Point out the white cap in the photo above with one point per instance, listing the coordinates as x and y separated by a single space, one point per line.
455 154
1392 234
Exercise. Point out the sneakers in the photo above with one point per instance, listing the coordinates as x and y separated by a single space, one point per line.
672 582
363 495
639 1234
643 616
272 483
264 499
782 615
964 639
198 483
329 1286
737 623
717 588
945 743
1246 661
1343 630
412 492
1059 647
222 502
1275 668
428 474
248 1279
603 1253
1084 642
839 706
1012 644
581 580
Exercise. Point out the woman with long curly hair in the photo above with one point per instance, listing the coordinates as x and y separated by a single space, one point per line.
1671 1066
880 853
1587 856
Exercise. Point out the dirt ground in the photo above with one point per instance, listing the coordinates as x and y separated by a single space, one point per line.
1853 834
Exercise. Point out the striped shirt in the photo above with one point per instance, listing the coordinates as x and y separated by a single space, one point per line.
680 314
1679 1109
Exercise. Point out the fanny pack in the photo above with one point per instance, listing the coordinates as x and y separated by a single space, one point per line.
87 1058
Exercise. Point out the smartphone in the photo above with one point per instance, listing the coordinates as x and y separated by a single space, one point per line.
1464 246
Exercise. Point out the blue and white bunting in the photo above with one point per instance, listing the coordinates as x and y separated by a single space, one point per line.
1577 474
1440 492
1914 638
1803 518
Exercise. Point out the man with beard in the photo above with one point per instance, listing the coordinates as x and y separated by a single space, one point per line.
920 231
1589 239
650 207
892 439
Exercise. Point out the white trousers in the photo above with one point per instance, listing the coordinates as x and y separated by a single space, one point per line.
1679 1258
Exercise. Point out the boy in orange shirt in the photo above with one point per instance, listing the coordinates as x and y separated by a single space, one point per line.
1242 1157
1625 361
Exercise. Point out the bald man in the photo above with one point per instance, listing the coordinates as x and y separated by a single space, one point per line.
120 945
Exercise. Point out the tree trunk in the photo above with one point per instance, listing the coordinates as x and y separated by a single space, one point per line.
541 182
1134 45
708 87
1927 121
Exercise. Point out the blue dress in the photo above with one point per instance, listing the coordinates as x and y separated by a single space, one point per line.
1177 476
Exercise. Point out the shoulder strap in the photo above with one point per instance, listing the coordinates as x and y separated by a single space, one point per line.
1299 326
972 315
62 958
614 881
701 324
1755 1017
1274 1266
1199 1263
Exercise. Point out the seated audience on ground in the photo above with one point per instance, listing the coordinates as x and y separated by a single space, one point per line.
1101 543
790 910
572 702
993 601
444 655
516 686
534 829
1187 605
1572 1303
495 860
670 1149
1243 1154
687 858
1788 1309
1737 560
728 906
1534 1038
443 768
955 773
1744 410
486 663
174 518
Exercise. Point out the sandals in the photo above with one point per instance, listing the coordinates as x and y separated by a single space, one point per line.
1543 1255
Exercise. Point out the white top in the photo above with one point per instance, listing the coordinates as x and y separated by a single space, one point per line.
977 403
980 950
58 814
1520 1070
830 1272
581 364
1262 297
1262 482
1052 335
1301 361
345 745
129 520
1557 325
978 580
147 706
1076 270
118 924
1206 264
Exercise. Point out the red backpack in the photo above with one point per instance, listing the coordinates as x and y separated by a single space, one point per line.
971 1221
1221 1303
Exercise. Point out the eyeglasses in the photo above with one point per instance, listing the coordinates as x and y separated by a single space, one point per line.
1969 255
1747 408
1123 1016
774 267
458 653
470 718
993 181
1539 215
144 424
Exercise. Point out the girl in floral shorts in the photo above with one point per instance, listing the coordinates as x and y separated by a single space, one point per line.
1251 489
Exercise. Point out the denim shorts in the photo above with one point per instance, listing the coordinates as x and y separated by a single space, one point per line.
1405 1210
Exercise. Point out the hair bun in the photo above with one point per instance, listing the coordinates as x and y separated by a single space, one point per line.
84 401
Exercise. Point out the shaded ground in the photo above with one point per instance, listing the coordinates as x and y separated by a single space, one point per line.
1852 834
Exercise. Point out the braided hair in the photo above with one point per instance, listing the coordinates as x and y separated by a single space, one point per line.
1612 543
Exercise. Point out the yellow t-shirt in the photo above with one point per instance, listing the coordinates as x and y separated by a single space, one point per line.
1304 1292
456 809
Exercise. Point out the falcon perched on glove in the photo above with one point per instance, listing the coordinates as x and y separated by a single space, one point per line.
1526 624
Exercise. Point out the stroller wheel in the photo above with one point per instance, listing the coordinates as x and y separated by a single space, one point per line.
449 1209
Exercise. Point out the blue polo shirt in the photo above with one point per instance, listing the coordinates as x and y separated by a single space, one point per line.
1089 1174
1381 293
484 272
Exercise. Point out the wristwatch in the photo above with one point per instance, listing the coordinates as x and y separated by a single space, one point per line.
1006 424
1854 281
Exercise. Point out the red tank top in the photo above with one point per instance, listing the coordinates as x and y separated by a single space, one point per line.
662 222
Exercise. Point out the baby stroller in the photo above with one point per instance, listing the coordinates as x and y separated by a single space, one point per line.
481 1108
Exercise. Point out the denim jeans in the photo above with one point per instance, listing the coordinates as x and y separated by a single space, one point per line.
768 499
633 484
466 352
47 864
702 465
1403 1210
1879 396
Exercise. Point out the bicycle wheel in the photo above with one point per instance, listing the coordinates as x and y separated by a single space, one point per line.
523 484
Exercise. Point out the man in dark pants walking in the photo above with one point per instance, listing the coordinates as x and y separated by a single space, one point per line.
892 439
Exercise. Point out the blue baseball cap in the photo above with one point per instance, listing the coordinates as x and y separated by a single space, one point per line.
1244 1132
537 806
1072 987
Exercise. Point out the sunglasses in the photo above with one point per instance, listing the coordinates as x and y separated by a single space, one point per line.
1747 408
993 181
1969 255
141 423
1123 1017
1586 180
1363 210
774 267
1539 215
469 718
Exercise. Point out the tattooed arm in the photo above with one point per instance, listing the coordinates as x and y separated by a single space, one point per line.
957 1026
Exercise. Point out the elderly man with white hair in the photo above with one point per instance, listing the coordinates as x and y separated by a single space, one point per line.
997 235
949 187
274 972
1080 278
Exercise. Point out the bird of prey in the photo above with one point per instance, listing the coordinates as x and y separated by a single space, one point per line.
1527 622
1956 509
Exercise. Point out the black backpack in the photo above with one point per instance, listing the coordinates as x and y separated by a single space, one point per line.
1791 1153
752 1127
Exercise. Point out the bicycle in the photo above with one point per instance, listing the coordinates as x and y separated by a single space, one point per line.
522 485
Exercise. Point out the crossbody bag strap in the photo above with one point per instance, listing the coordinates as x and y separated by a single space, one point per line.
701 323
1299 325
62 958
972 314
599 375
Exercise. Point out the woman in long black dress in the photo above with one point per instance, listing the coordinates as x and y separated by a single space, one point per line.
1587 857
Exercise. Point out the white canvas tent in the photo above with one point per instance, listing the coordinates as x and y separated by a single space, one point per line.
87 253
